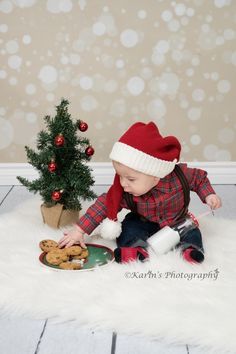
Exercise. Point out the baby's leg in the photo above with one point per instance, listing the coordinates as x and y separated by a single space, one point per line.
132 240
135 231
192 247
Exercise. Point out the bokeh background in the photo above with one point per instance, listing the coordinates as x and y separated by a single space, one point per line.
118 62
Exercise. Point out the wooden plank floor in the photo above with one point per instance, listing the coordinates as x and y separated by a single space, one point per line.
20 335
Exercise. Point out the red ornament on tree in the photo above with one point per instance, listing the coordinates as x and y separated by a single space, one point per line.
59 140
89 151
52 166
83 126
56 195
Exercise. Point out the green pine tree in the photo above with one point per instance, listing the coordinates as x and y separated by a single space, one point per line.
60 160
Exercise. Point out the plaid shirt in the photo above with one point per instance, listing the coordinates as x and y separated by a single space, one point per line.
161 204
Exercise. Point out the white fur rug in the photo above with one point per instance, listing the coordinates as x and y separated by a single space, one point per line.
163 298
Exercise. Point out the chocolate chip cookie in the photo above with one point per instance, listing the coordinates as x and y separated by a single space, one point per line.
70 266
56 256
48 245
73 250
83 255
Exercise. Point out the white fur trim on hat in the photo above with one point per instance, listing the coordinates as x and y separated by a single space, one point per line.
110 229
139 161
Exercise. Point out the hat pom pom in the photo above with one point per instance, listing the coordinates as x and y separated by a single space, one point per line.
110 229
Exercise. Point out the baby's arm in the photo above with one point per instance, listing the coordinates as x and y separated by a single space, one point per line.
75 235
95 214
213 201
200 184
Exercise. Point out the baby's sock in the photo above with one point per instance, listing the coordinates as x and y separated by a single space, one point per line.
129 254
193 255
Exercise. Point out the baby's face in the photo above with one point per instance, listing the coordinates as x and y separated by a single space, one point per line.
134 182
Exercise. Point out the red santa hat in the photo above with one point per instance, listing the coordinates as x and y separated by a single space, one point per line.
143 149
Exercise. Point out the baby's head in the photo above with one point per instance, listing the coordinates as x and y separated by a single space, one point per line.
134 182
141 158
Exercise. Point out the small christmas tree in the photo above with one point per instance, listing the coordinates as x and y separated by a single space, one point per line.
63 177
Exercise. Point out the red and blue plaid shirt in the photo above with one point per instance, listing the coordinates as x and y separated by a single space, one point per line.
161 204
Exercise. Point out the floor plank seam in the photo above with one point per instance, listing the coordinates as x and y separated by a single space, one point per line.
6 195
40 338
113 343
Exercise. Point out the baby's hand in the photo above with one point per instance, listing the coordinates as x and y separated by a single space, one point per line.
71 237
213 201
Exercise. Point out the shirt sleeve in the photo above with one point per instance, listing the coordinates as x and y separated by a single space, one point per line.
198 182
95 214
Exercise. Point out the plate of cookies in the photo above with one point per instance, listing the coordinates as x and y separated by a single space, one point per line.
74 257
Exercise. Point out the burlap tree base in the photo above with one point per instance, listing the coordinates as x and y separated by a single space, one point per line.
57 217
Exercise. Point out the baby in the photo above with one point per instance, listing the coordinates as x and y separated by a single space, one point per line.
147 183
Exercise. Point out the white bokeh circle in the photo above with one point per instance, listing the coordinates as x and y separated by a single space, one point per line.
142 14
12 46
48 74
14 62
129 38
156 109
223 86
30 89
226 135
135 85
86 82
99 29
195 139
194 113
198 95
6 6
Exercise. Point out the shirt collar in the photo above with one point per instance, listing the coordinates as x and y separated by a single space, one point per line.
161 187
147 195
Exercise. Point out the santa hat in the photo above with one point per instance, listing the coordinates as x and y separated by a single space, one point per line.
143 149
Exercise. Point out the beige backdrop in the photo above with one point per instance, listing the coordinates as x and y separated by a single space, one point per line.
118 62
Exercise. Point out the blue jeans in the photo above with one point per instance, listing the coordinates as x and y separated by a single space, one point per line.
136 230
